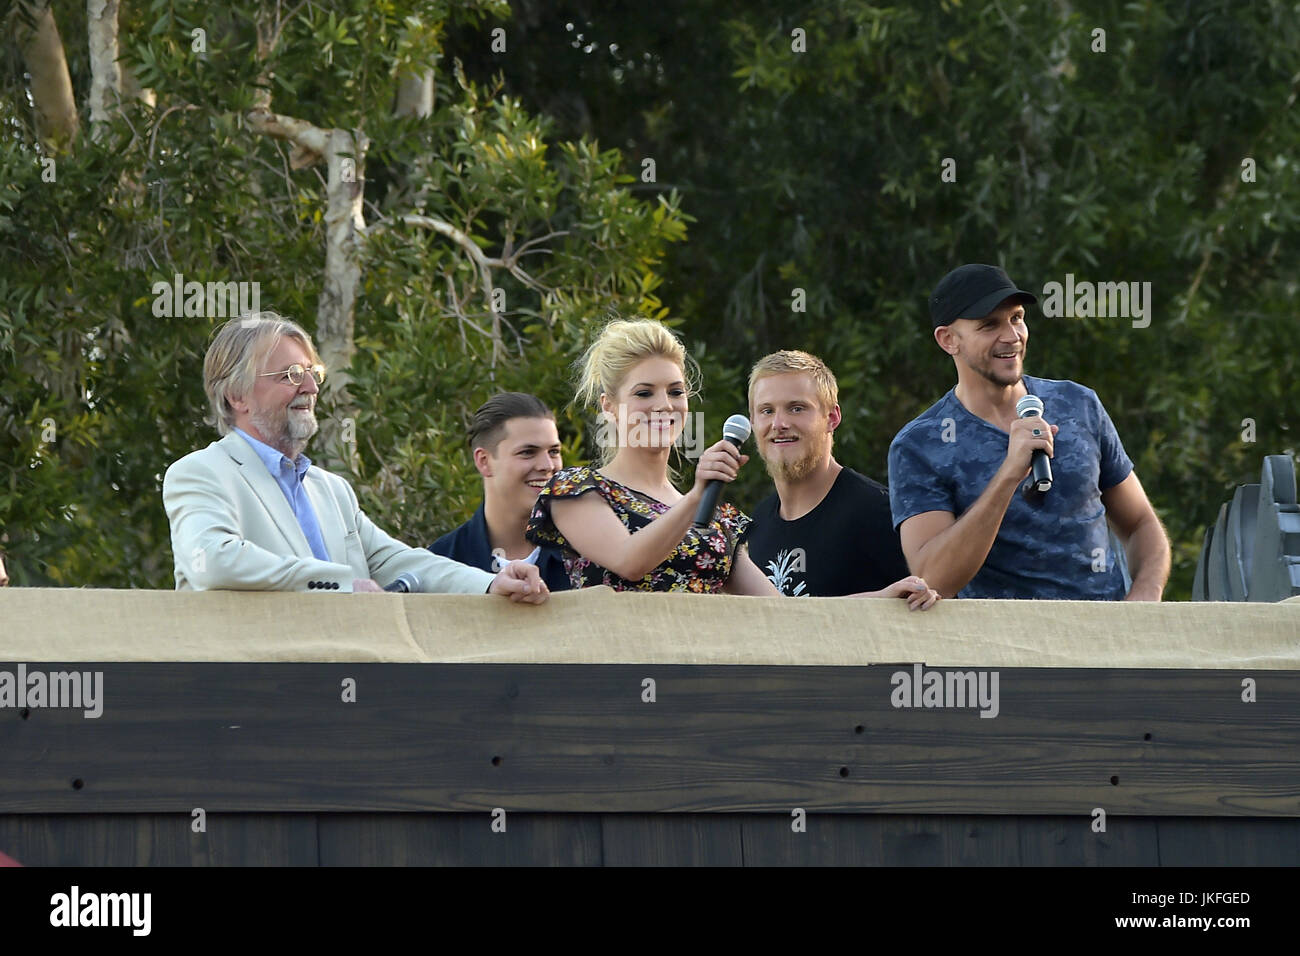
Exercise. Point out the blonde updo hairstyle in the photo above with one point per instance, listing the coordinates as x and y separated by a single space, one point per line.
621 345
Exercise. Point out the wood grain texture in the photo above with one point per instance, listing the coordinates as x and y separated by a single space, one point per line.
580 739
677 839
459 839
954 840
672 839
1191 841
151 839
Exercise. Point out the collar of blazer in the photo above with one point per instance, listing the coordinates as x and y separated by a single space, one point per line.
316 481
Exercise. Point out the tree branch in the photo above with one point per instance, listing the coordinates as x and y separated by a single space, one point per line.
484 263
310 142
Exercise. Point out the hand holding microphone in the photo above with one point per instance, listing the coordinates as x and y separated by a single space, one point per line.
718 465
1031 444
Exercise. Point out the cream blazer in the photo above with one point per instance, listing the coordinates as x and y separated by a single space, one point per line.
232 528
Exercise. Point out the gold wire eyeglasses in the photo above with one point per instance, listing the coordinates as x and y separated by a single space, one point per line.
294 373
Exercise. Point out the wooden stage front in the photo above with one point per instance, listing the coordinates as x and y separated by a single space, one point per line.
405 761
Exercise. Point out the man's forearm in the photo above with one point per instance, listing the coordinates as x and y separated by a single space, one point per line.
951 558
1148 558
386 558
229 563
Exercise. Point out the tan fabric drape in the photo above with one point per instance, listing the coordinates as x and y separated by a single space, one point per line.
600 626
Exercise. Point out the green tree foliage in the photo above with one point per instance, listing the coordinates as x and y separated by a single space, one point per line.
807 160
808 141
98 393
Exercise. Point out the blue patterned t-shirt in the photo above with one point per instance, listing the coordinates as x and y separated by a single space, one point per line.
1055 548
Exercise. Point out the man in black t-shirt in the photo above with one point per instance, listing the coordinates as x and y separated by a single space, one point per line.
827 531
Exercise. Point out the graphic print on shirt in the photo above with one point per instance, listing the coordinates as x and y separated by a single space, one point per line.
786 564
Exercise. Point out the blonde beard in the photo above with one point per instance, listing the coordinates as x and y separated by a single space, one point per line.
800 468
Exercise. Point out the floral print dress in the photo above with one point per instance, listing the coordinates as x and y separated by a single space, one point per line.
701 563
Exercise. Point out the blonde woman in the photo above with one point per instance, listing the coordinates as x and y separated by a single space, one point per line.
624 524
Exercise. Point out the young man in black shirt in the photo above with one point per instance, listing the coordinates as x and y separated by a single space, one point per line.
827 531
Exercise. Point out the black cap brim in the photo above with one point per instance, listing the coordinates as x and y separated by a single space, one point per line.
986 305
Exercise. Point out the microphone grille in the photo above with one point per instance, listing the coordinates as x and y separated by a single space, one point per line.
737 427
1030 403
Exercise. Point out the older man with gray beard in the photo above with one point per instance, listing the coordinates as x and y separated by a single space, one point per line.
251 512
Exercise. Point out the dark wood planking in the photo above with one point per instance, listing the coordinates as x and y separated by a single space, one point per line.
1195 841
672 839
949 840
983 841
151 839
713 839
578 738
459 839
829 840
1128 841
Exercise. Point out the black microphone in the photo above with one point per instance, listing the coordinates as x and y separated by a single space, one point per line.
736 430
406 583
1031 406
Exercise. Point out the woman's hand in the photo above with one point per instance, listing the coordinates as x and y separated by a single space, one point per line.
920 596
720 462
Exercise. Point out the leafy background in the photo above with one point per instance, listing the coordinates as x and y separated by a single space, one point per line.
774 170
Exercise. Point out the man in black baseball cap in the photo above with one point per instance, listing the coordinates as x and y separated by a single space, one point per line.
954 471
973 291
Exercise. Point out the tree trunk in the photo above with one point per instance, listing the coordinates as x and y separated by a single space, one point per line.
106 77
345 153
335 315
51 89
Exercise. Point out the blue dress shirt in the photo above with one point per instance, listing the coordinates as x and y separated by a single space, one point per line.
288 475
